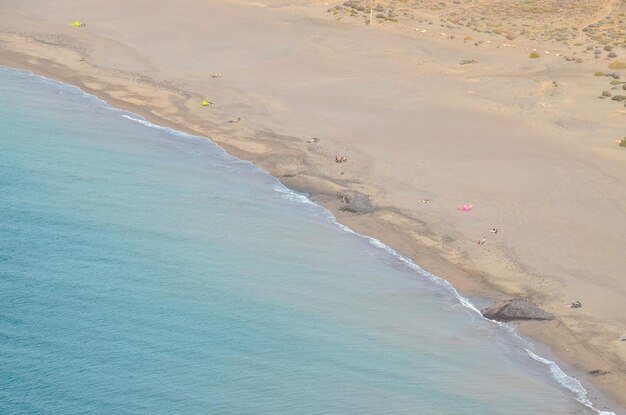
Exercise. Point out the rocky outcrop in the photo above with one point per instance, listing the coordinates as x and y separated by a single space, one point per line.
516 309
357 202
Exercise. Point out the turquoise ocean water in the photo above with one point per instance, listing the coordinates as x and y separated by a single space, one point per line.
145 271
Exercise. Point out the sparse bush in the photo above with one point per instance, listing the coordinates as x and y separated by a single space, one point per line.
598 73
534 54
617 65
606 94
623 142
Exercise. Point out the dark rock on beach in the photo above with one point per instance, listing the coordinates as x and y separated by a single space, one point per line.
467 61
516 309
357 202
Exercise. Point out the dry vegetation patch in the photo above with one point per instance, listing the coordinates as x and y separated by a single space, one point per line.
571 22
541 20
617 65
609 30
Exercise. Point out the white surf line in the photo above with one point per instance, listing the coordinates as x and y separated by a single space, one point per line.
569 382
138 119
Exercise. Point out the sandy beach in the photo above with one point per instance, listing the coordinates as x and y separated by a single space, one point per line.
527 142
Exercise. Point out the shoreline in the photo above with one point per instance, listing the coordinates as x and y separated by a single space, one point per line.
584 398
296 164
603 400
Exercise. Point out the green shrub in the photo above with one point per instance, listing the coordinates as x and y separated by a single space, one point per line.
623 142
598 73
534 54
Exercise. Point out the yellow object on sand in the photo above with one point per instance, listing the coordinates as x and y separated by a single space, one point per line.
206 103
78 24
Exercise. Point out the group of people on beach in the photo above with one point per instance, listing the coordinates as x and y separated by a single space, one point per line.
494 231
468 208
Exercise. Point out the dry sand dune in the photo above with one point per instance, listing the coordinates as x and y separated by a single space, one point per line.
526 141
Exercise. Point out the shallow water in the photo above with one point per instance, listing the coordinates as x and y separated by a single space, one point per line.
146 271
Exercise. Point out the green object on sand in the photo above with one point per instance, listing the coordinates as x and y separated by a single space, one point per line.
206 103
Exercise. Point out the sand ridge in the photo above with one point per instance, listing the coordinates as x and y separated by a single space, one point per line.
533 157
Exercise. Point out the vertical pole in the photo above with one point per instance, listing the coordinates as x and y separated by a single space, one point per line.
371 11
